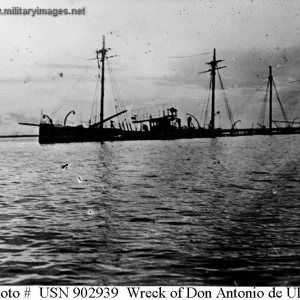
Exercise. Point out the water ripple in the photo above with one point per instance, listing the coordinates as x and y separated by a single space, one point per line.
186 212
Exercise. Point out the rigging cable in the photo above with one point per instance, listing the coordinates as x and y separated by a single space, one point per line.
281 107
262 114
189 55
123 118
116 94
228 109
250 97
204 103
206 110
70 93
95 105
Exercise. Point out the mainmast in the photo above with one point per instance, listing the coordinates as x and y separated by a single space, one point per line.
214 67
213 84
270 106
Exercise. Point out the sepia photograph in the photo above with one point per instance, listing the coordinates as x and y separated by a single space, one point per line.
150 143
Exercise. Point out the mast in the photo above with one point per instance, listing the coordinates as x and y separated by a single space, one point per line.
214 67
270 106
103 53
213 78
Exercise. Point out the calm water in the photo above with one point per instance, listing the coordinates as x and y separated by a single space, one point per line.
188 212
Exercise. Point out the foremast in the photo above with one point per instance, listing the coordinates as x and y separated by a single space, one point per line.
102 59
103 52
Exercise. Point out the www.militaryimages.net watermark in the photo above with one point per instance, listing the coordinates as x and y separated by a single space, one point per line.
54 12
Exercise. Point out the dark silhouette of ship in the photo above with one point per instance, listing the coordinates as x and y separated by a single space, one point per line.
165 125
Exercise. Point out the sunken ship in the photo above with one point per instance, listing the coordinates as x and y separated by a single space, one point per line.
163 125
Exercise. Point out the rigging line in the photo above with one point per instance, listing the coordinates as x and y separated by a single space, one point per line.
281 106
113 82
67 97
188 55
229 112
252 95
95 105
116 92
113 91
264 106
262 114
117 96
124 117
203 105
132 91
206 111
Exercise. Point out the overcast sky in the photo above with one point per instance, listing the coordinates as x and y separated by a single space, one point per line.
43 58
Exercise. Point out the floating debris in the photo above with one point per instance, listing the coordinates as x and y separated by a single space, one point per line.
27 79
91 212
141 220
64 167
79 179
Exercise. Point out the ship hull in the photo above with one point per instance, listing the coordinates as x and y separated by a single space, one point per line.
51 134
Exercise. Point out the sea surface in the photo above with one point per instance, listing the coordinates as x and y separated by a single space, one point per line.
223 211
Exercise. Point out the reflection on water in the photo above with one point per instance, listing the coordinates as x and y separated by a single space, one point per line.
221 211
